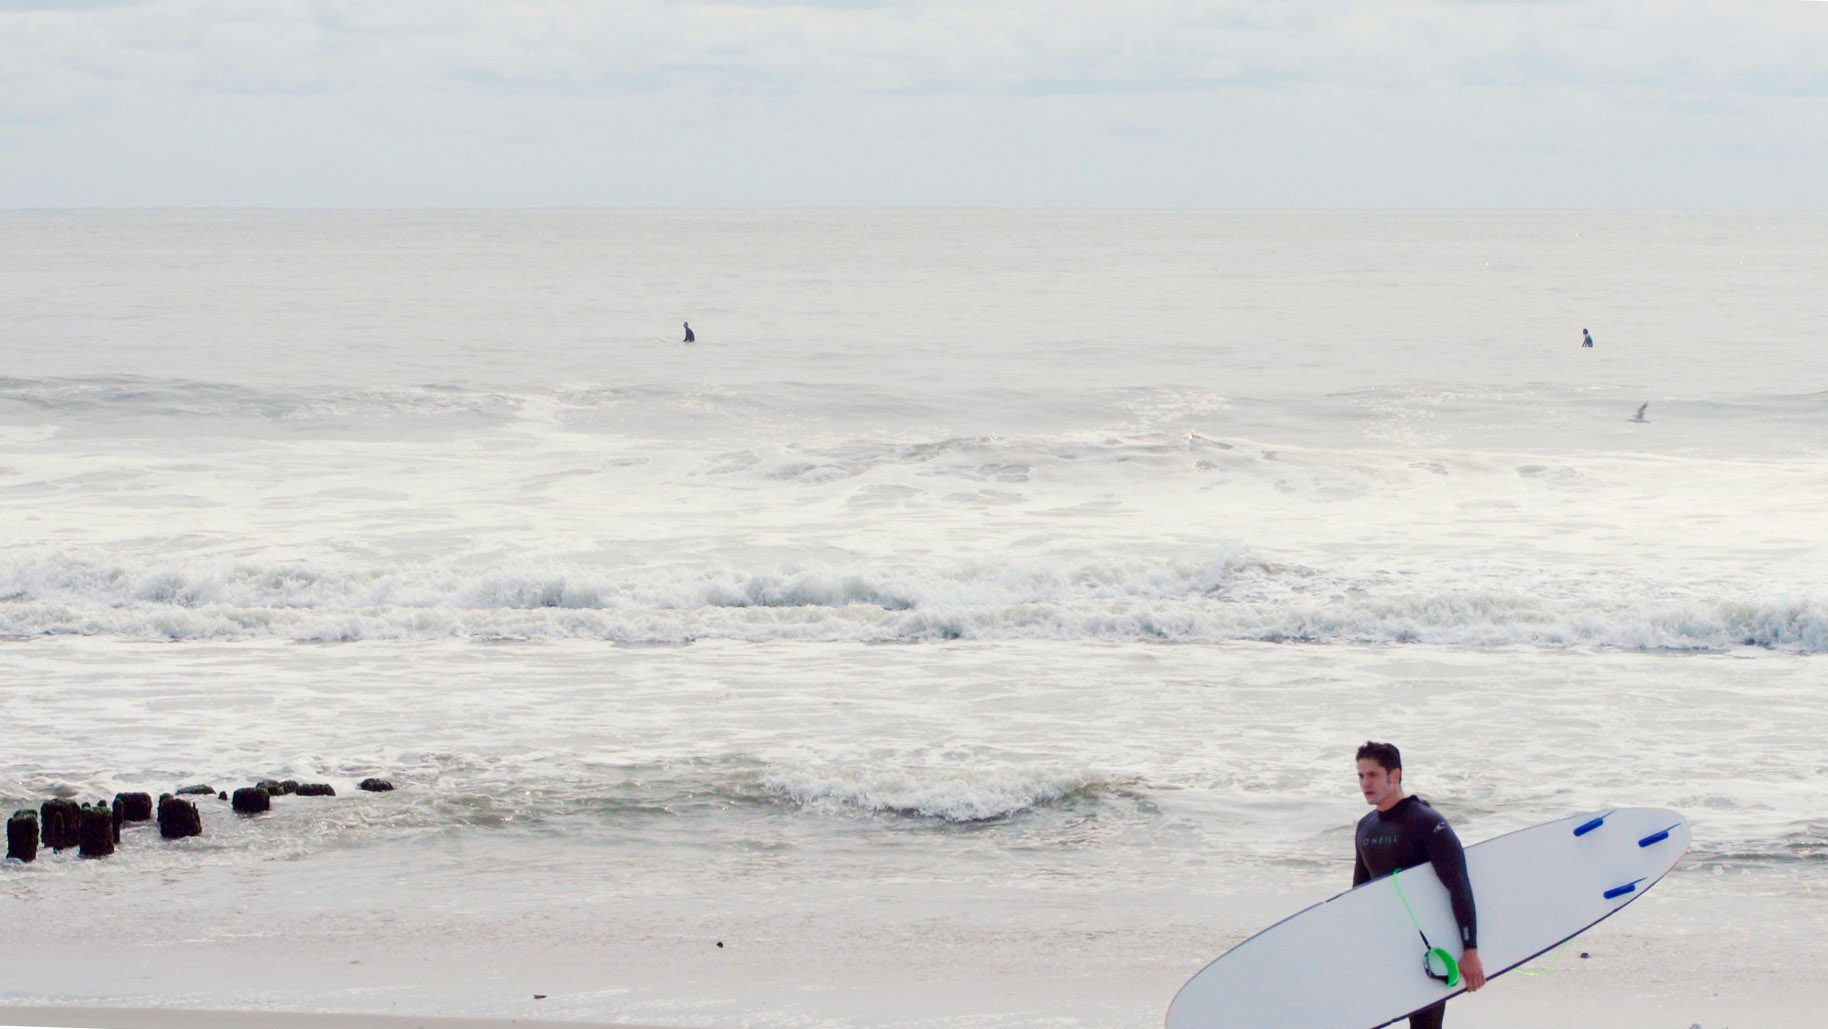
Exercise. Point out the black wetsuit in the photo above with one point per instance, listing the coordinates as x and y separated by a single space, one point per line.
1405 836
689 336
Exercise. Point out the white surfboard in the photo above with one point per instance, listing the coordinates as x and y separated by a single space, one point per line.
1355 961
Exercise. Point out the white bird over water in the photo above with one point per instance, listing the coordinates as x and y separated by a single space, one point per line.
1639 417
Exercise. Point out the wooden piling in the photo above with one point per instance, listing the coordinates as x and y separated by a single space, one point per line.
22 835
97 834
178 818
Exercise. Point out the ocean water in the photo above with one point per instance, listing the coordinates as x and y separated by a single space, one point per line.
986 600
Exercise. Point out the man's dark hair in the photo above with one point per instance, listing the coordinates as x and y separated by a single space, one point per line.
1385 754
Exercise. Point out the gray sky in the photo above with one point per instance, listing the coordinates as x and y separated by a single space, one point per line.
1145 103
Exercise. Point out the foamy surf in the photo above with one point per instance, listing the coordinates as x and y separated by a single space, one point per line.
1230 598
981 795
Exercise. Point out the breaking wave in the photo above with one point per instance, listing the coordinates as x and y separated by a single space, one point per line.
1234 596
979 795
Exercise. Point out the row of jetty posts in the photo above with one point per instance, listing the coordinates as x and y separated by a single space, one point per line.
95 829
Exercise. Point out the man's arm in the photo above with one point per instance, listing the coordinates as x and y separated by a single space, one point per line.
1360 874
1449 860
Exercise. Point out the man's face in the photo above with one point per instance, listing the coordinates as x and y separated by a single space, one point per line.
1381 787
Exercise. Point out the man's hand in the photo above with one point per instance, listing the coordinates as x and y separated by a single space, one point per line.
1472 970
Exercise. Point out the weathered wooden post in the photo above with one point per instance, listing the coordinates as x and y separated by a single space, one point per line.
251 800
178 818
62 823
22 835
97 839
135 807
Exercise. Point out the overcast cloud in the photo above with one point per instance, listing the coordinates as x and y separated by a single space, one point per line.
1147 103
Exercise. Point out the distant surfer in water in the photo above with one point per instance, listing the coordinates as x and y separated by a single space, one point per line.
1405 832
1586 339
1639 417
689 337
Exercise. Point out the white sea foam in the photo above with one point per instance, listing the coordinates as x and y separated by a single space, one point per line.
1231 598
978 795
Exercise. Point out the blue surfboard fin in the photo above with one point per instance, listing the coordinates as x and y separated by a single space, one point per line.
1620 891
1586 827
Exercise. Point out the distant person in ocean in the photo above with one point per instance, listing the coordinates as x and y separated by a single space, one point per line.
1405 832
1586 340
689 337
1639 417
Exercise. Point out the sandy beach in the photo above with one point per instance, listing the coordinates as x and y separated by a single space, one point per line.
1516 1002
1671 962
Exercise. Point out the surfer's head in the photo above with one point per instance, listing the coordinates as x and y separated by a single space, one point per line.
1380 774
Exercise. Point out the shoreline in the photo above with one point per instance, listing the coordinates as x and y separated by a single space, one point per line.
1616 1004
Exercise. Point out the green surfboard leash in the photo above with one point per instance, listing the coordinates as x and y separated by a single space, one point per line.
1452 976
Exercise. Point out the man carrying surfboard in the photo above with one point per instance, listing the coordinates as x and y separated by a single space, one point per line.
1402 833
